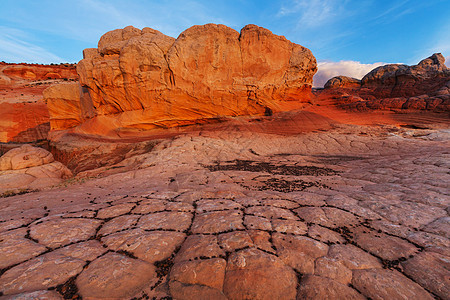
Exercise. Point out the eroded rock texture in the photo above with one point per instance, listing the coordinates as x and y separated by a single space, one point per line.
143 79
29 167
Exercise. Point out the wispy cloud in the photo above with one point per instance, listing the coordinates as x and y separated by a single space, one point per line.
348 68
14 48
313 13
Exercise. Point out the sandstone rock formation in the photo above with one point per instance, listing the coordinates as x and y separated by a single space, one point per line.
142 79
12 72
425 86
23 114
29 167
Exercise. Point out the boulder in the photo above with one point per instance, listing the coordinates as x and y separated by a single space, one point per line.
142 79
397 80
342 82
29 167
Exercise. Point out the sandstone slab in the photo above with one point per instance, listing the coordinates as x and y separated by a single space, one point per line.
40 273
129 277
60 232
384 284
253 274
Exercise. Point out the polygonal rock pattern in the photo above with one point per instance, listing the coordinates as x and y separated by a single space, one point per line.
60 232
129 277
266 276
149 237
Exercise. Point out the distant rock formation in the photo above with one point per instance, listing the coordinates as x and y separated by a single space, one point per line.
142 79
29 167
15 72
23 114
425 86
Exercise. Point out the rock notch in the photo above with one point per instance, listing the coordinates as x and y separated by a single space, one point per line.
142 79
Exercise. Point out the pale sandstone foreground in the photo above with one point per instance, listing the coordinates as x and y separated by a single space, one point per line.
352 213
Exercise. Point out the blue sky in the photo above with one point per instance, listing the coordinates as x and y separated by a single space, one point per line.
360 31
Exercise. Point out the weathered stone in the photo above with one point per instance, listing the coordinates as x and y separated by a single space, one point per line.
440 227
114 211
16 250
262 240
40 273
383 245
166 221
148 246
316 287
430 270
150 206
258 223
253 274
325 235
299 252
129 277
38 295
192 292
235 240
387 284
270 212
334 269
118 224
209 272
216 204
289 226
199 246
60 232
217 221
87 251
353 257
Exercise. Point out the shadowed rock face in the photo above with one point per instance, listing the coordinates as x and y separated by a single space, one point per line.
424 86
143 79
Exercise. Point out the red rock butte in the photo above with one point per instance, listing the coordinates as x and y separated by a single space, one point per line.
142 79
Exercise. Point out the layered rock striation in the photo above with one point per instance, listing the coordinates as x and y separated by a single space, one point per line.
425 86
142 79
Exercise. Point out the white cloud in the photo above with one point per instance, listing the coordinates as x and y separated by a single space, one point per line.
348 68
15 48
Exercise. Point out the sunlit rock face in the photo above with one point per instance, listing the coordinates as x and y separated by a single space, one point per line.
142 79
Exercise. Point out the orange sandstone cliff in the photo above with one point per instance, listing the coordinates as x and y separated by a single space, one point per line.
142 79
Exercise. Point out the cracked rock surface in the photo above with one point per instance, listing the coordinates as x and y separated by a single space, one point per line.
354 213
